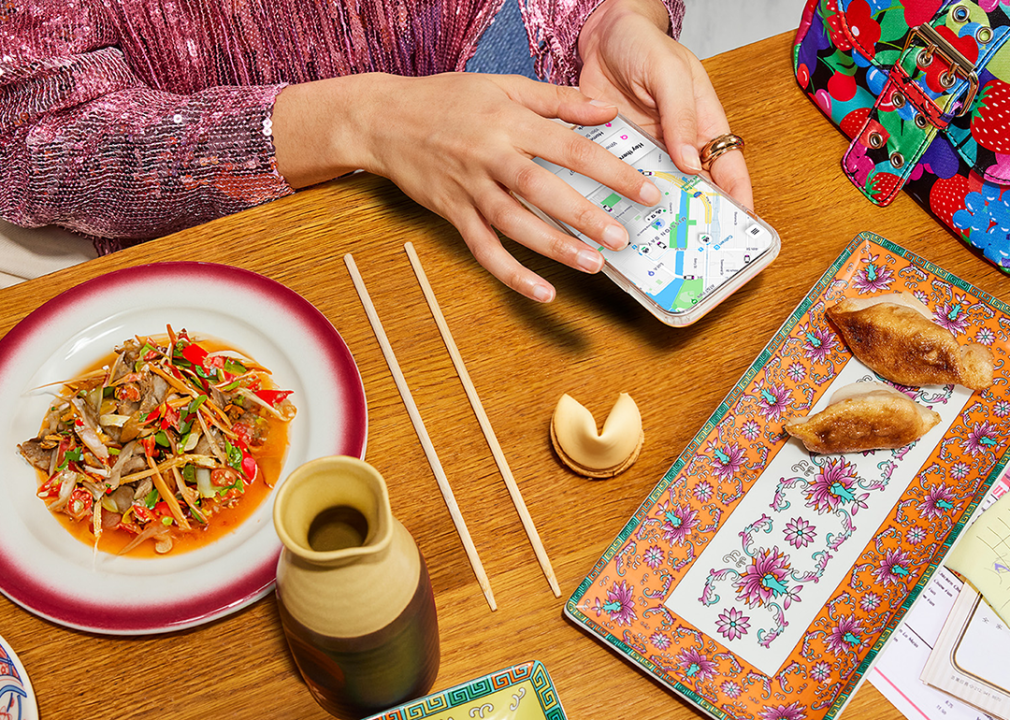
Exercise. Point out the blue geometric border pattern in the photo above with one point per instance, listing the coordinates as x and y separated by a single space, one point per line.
533 670
545 691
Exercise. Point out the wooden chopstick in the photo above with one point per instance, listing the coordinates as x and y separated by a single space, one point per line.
485 424
422 433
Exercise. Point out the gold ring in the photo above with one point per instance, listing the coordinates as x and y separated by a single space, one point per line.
718 146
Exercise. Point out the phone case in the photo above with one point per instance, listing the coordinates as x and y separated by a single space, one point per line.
702 294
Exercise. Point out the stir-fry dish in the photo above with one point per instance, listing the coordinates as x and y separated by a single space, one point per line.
159 440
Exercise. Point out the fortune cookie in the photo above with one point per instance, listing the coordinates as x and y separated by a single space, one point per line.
592 453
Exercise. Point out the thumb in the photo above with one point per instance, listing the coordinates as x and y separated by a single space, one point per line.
678 113
680 135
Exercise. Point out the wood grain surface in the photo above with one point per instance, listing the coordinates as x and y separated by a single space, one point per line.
592 342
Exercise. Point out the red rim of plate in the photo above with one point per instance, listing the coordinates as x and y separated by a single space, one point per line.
34 595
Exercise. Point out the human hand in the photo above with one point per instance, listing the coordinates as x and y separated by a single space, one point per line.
460 144
630 61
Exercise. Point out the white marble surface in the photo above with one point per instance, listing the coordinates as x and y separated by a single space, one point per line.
715 26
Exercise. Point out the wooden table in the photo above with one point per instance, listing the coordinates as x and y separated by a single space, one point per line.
592 342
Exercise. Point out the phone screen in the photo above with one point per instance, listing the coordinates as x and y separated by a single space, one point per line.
686 247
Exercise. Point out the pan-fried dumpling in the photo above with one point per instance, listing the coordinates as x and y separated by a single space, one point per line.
895 336
863 416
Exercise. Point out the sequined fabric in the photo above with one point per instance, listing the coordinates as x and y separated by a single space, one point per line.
129 119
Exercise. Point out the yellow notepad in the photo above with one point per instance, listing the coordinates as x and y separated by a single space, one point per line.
982 556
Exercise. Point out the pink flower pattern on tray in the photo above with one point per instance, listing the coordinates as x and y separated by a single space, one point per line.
622 600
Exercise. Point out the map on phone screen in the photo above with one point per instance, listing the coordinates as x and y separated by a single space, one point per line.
680 250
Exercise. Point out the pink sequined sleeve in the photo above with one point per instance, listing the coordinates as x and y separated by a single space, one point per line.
555 25
86 145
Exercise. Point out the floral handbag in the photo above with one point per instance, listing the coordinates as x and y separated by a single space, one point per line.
922 88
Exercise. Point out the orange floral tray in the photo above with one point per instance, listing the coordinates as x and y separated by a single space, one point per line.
759 580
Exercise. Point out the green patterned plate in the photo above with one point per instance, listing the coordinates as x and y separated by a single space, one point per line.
521 692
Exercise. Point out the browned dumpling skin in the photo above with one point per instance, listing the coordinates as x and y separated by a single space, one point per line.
863 416
895 336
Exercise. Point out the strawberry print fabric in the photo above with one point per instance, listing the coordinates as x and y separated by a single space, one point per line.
922 88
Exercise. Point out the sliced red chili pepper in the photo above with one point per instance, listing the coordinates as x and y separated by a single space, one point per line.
169 418
80 503
245 462
223 477
129 526
243 431
273 397
249 466
149 446
231 494
61 451
142 513
194 353
51 487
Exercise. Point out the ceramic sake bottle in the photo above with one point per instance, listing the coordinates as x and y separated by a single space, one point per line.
353 591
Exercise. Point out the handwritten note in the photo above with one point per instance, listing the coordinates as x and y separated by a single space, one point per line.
983 556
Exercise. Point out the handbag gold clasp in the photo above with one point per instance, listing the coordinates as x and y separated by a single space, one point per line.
959 65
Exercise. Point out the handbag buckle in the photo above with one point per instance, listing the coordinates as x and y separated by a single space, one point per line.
959 65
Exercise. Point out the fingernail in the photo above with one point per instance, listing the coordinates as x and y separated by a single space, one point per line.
589 261
615 237
602 103
689 154
543 293
649 194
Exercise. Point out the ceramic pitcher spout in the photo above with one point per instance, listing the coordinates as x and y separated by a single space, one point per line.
331 522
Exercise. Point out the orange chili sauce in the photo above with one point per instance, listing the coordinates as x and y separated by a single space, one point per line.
269 456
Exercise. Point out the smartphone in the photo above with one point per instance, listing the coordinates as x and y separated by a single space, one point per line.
686 254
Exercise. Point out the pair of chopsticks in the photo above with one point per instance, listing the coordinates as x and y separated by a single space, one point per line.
422 433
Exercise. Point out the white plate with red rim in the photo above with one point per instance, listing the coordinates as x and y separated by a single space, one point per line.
17 699
52 574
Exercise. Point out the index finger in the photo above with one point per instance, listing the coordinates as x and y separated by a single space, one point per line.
564 147
557 143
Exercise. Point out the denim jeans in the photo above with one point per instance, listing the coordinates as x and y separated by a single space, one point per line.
504 47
